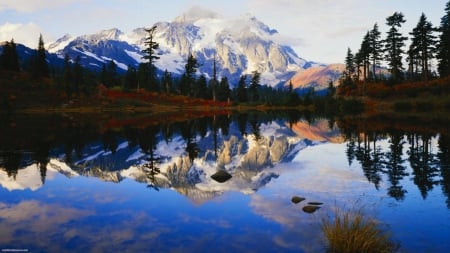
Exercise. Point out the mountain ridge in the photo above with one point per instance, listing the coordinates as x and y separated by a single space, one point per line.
239 45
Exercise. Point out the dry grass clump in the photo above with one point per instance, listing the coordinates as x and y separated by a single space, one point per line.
349 232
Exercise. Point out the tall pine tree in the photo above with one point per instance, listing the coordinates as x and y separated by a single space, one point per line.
39 65
254 86
9 59
443 54
423 44
241 89
190 67
349 64
376 47
394 44
223 93
167 82
150 54
364 55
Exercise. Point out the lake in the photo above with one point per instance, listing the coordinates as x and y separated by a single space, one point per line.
222 183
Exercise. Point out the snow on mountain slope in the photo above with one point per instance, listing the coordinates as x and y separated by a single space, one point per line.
240 45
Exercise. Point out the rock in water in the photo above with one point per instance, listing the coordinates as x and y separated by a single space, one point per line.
221 176
315 203
297 199
310 209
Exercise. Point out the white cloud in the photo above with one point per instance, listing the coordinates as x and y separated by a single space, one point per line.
27 34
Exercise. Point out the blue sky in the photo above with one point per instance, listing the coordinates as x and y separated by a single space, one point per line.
321 30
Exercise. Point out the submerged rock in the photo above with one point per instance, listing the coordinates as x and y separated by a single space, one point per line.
221 176
315 203
297 199
310 209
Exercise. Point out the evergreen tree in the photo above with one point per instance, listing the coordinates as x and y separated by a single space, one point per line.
443 54
349 64
150 54
358 63
190 67
67 74
15 66
214 82
142 76
9 59
376 47
77 74
39 65
254 86
364 54
394 43
413 61
201 87
130 78
167 82
111 74
331 90
104 75
224 92
184 84
292 97
241 89
424 44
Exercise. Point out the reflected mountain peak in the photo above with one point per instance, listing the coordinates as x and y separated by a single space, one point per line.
187 155
318 131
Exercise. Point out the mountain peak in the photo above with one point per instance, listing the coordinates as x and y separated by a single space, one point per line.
110 34
239 45
196 13
60 43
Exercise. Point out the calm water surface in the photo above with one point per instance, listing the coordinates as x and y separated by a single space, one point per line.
70 185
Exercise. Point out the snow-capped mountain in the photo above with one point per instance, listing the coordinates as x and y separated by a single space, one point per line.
240 45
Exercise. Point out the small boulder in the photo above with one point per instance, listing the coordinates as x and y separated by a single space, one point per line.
221 176
297 199
310 209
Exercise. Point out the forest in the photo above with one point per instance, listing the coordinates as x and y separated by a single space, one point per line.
374 78
26 81
421 85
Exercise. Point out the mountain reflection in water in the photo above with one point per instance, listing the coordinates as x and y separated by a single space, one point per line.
62 169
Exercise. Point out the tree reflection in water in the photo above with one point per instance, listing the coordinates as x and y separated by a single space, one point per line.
383 151
429 167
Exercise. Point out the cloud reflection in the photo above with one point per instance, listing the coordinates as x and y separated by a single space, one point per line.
329 180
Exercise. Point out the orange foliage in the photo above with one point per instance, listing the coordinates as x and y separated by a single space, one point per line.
381 90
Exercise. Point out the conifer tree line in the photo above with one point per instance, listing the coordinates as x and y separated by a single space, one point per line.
427 43
74 79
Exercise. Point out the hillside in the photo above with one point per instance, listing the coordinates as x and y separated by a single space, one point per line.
317 77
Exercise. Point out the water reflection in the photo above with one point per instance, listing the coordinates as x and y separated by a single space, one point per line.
59 165
426 153
180 154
